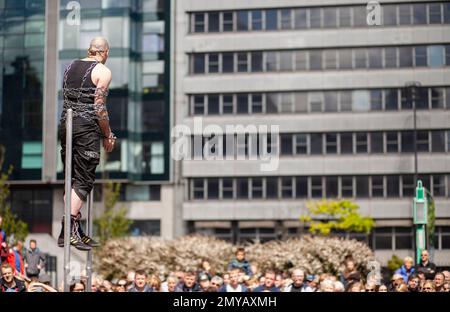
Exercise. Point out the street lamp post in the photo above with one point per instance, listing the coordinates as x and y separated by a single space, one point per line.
411 91
420 217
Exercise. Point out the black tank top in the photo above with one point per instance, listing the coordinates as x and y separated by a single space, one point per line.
78 91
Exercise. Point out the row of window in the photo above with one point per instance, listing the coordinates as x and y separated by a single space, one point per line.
381 238
376 186
318 17
132 192
321 59
243 147
360 100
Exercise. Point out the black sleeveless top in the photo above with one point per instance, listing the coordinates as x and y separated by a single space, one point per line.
79 91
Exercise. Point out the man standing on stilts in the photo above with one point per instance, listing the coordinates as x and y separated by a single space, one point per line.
85 88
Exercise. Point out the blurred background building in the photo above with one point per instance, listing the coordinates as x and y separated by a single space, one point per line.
333 83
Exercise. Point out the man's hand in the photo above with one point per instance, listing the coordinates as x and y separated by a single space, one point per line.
108 143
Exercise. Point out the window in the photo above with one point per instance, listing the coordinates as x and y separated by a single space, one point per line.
300 102
271 61
315 60
345 17
407 141
301 187
242 188
257 103
392 186
446 7
389 15
286 103
301 18
213 62
361 142
227 188
422 141
257 61
345 98
227 23
301 143
315 17
286 144
347 186
228 62
301 60
391 99
375 58
257 187
199 105
360 58
330 59
286 19
345 59
199 22
438 185
436 56
213 22
331 187
242 20
213 188
331 143
390 57
286 187
242 104
403 237
199 63
242 62
331 101
419 14
434 13
316 143
405 56
437 98
392 142
383 238
376 142
272 187
31 155
421 56
376 100
329 17
272 102
361 100
213 104
198 189
227 105
316 187
256 19
359 16
286 61
406 101
404 13
408 185
346 143
437 141
271 19
362 186
377 186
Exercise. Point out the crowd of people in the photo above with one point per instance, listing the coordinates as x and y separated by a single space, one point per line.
21 272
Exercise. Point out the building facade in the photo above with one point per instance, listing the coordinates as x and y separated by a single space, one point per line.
333 80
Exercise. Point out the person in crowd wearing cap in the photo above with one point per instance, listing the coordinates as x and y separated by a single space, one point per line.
203 281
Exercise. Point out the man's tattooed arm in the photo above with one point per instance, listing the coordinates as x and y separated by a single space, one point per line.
102 113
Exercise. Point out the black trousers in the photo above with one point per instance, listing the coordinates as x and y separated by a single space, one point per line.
85 155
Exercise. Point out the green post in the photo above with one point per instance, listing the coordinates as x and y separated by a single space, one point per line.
420 215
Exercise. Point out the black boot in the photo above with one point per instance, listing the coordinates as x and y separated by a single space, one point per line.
75 239
84 238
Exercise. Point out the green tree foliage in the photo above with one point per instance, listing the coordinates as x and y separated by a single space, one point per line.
394 263
13 226
328 215
112 223
431 218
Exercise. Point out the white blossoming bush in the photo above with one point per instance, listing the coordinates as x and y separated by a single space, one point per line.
315 254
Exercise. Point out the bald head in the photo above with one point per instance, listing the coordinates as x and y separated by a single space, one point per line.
98 44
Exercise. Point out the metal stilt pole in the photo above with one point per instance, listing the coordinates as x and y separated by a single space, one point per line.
68 193
89 230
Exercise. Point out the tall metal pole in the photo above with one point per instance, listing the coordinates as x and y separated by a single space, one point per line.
67 206
89 231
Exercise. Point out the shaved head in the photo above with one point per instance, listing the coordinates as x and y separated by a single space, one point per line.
98 44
